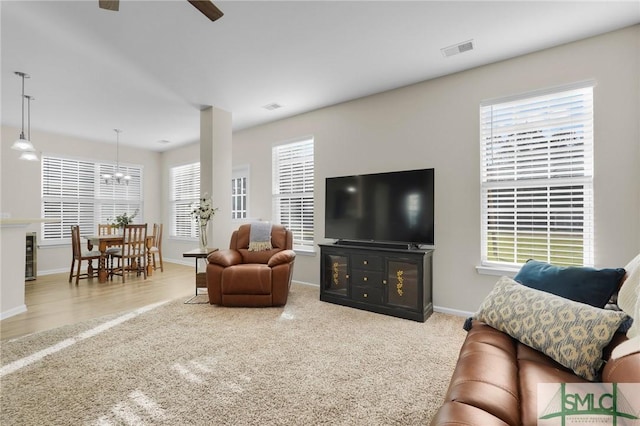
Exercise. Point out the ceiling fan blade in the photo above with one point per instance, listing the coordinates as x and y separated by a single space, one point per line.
109 4
207 8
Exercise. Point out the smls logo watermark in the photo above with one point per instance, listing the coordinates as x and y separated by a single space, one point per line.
616 404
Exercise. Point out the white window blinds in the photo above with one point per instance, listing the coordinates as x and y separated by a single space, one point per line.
537 178
293 171
185 190
74 193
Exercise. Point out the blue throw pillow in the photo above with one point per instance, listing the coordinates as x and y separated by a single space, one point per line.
581 284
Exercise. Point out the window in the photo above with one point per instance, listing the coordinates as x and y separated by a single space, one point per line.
293 190
73 192
239 182
537 178
185 190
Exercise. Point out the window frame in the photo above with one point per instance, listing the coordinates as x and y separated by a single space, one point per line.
240 180
299 190
565 136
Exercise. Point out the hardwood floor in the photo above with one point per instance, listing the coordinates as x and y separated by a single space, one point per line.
53 302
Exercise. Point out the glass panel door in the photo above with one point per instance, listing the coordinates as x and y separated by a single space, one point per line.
336 278
402 284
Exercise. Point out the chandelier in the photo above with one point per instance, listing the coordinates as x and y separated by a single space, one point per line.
118 177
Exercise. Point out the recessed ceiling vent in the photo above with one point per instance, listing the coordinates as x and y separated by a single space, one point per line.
456 49
271 107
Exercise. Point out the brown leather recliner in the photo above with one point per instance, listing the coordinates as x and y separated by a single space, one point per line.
239 277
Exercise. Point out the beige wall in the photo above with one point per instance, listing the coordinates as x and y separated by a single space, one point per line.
20 183
435 124
431 124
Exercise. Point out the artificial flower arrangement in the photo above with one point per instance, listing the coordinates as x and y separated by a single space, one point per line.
123 219
204 210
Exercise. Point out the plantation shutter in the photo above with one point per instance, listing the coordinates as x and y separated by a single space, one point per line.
67 194
293 172
74 194
537 178
116 199
185 190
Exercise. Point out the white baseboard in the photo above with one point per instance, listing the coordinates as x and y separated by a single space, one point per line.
186 262
450 311
190 262
440 309
13 311
54 271
305 283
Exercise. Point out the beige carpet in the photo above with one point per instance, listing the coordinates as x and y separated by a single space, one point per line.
309 363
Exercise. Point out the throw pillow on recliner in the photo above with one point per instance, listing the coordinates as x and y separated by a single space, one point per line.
581 284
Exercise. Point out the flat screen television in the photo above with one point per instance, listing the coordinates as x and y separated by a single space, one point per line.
395 207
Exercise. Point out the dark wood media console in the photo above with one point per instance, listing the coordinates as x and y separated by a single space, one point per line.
388 281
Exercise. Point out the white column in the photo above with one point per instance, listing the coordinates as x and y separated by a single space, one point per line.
215 171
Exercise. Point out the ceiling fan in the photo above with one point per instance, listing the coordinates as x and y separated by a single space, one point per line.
205 6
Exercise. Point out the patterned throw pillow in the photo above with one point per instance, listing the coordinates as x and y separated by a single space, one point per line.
571 333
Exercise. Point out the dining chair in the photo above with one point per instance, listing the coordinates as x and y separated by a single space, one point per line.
156 248
108 229
79 255
133 252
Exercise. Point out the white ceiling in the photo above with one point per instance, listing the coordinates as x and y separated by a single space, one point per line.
149 68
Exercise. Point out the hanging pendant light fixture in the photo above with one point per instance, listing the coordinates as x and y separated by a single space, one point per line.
118 176
29 155
22 144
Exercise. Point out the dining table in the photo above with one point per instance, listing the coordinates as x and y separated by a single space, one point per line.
104 242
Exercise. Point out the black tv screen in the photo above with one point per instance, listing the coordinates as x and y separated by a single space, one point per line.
385 207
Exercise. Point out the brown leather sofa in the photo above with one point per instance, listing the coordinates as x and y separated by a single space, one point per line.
239 277
496 378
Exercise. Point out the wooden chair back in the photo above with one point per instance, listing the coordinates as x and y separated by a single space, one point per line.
75 242
156 248
106 229
132 255
157 235
134 241
79 256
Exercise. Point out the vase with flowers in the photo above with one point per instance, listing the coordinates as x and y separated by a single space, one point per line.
121 220
202 212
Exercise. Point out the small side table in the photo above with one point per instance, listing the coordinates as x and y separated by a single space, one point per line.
201 277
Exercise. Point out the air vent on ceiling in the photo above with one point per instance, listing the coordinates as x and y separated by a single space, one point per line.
272 106
456 49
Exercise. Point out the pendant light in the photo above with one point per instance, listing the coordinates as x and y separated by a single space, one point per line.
29 155
22 144
118 176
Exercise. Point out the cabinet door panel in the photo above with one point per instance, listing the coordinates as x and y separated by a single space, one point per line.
336 278
402 284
